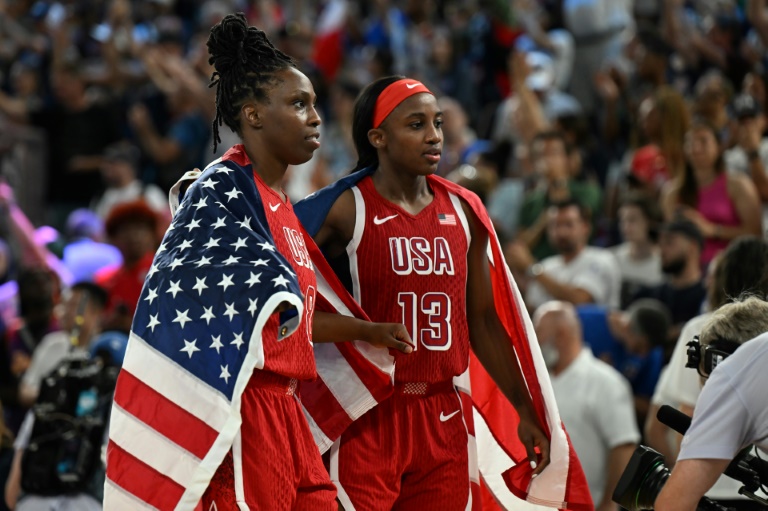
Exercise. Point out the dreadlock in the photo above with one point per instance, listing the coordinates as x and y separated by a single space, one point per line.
245 62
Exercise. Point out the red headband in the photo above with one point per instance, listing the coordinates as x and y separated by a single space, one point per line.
393 95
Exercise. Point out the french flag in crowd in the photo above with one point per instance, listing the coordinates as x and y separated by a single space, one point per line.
500 472
196 340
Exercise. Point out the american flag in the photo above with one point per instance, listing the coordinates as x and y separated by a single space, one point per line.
196 339
446 219
500 474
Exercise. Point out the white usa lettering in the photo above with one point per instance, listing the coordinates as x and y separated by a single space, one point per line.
298 247
417 255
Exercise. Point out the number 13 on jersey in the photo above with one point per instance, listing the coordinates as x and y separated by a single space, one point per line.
433 310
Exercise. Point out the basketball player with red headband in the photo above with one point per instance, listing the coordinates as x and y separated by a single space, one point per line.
411 251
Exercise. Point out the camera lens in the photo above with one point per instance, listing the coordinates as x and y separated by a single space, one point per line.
642 480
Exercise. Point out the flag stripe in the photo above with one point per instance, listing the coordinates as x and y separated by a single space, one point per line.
164 416
334 295
147 445
175 384
133 476
322 441
120 500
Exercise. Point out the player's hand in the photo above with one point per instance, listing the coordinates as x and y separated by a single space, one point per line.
532 436
389 335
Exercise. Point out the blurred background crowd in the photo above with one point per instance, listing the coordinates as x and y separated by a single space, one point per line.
619 146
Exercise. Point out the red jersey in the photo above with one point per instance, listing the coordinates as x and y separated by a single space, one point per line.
413 270
292 356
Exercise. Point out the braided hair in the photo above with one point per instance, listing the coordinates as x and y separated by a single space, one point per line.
362 121
245 62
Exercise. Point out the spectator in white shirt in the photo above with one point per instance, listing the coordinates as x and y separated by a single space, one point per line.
579 274
595 401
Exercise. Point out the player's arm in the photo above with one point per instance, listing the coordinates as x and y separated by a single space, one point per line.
330 327
333 237
493 346
339 226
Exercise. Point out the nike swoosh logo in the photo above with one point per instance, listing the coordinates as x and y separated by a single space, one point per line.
444 418
274 207
379 221
411 85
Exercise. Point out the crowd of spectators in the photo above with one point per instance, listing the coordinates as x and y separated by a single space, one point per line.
619 145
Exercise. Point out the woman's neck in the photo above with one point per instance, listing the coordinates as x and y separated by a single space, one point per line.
269 169
704 176
409 191
640 250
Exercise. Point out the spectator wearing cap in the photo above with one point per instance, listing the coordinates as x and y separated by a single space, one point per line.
644 336
722 206
536 103
85 254
750 155
683 291
119 170
132 227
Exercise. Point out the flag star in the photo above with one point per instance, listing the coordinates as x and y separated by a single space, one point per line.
161 248
209 183
246 223
203 202
267 246
254 279
212 242
182 317
175 264
232 194
219 223
190 347
152 294
260 262
153 322
225 170
238 340
208 315
280 281
203 262
231 260
216 344
194 224
231 312
226 281
287 269
253 306
240 243
152 270
175 288
225 373
173 224
184 245
199 285
222 206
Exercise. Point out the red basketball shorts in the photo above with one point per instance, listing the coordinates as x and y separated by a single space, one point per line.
276 465
409 453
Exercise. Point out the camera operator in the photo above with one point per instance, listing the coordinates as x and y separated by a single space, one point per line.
732 410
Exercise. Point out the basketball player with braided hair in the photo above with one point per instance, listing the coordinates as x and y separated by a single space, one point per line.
270 459
270 104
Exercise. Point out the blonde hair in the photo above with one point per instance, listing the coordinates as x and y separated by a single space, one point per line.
739 321
675 121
